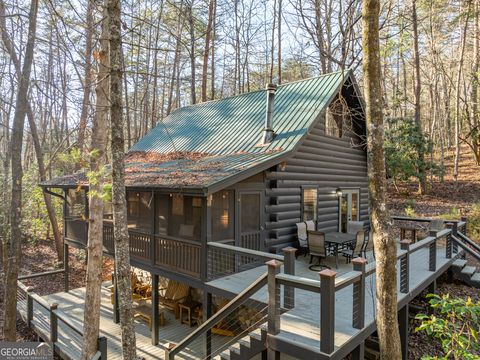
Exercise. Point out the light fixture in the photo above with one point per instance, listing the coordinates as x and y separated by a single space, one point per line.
339 192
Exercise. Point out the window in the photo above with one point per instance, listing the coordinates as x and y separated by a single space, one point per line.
337 118
309 204
222 215
178 216
139 207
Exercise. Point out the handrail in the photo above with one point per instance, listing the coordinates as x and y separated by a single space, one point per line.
469 241
245 251
231 306
407 218
45 273
467 248
55 315
328 285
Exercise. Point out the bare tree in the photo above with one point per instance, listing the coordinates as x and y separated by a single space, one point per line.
385 246
91 319
120 229
13 242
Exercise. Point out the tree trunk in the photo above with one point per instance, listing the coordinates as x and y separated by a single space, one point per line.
208 37
272 49
193 94
418 121
36 140
91 319
13 242
279 60
457 97
385 247
87 82
120 230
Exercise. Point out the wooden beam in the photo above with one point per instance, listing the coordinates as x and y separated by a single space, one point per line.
154 325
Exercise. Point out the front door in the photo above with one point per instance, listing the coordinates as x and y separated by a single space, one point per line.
250 219
348 208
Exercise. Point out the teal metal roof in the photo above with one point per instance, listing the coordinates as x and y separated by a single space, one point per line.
226 133
235 124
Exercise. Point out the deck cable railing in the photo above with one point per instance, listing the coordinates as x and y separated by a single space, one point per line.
48 322
329 285
243 314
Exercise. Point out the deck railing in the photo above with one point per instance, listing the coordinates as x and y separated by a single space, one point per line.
328 285
48 328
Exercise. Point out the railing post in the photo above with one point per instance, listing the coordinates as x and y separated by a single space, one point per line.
53 323
327 311
102 347
169 347
29 299
65 265
116 313
273 297
464 219
432 254
448 242
358 301
405 267
454 233
289 291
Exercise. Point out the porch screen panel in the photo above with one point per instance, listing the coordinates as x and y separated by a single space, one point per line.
75 217
222 216
179 216
250 213
139 207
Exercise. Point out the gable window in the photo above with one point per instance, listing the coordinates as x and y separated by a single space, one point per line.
337 117
309 204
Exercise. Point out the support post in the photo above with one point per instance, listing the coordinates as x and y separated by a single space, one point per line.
207 313
405 267
432 254
327 311
448 242
289 291
464 219
102 347
403 327
359 352
454 233
29 299
273 323
358 301
169 347
65 266
53 323
116 311
155 325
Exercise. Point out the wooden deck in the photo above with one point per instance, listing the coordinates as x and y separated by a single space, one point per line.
71 305
300 326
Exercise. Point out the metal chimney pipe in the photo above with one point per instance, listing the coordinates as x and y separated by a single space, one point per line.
268 133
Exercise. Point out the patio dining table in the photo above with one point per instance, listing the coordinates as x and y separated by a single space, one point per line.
339 241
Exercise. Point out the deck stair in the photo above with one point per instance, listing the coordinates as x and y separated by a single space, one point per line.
466 273
246 347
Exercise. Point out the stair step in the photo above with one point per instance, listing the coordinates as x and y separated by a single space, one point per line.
225 355
459 264
475 279
245 341
468 271
234 348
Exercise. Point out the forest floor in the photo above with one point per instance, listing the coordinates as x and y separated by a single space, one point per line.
442 200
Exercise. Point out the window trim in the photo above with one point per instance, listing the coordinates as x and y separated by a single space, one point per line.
302 198
348 190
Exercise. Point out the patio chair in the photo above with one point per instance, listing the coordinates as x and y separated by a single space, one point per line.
367 245
357 249
302 237
353 227
316 248
174 294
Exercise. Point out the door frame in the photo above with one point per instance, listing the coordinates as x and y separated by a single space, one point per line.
238 214
349 193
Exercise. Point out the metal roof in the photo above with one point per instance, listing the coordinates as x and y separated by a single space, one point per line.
229 131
